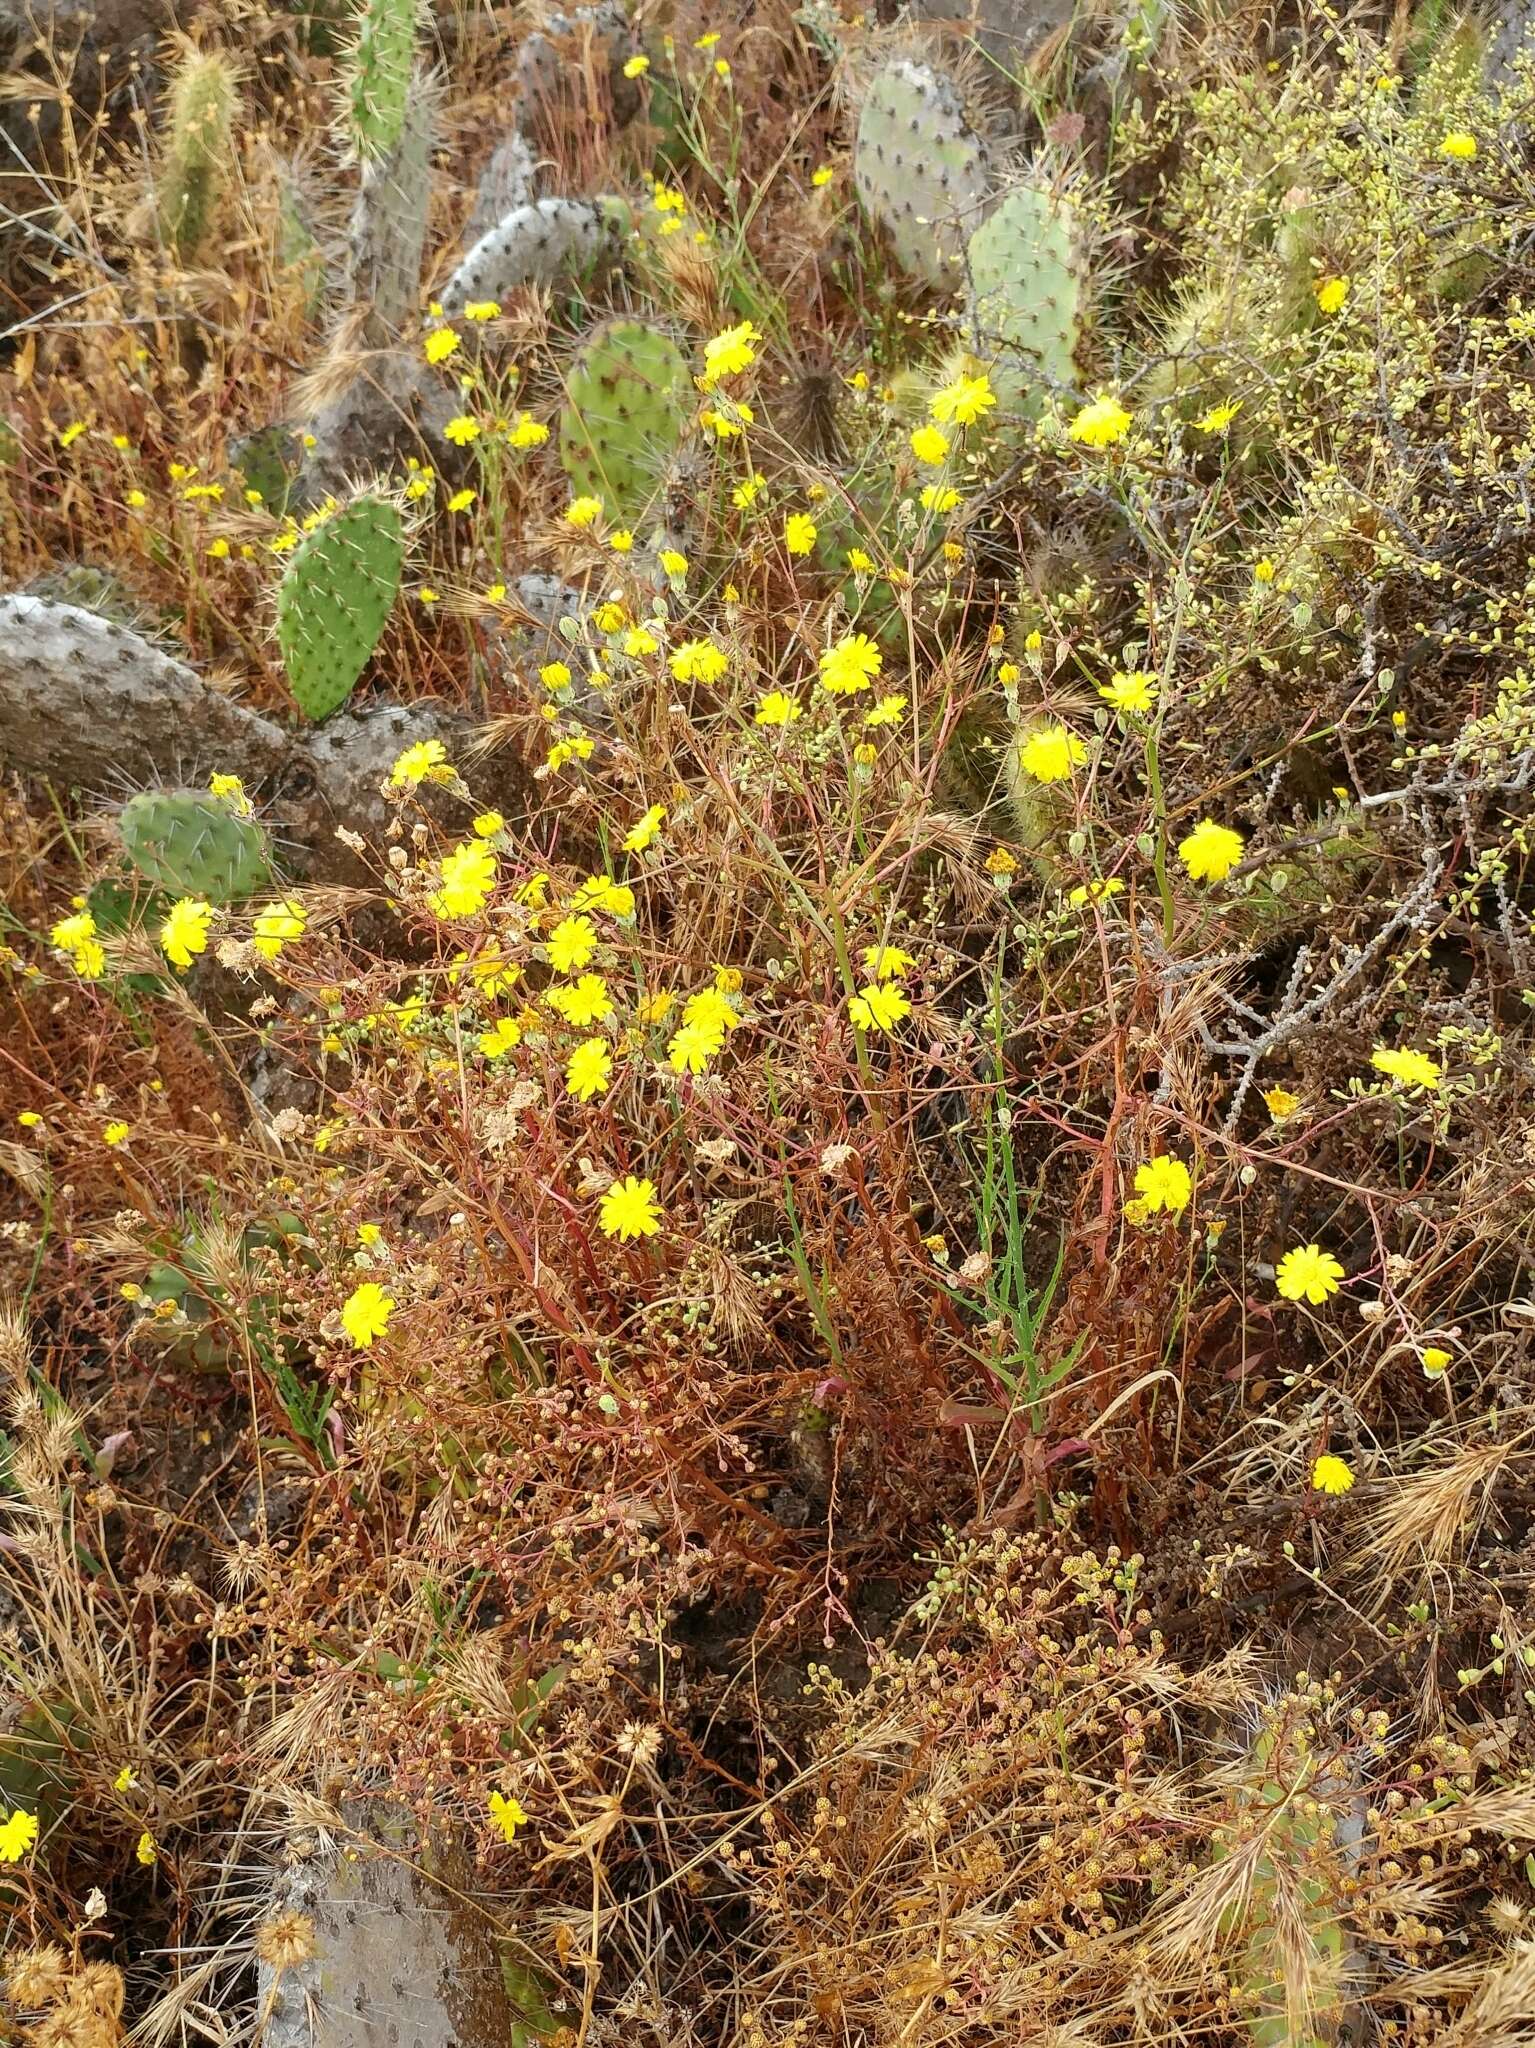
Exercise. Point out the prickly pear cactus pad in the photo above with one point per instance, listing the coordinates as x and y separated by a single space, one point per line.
628 395
1026 284
377 75
334 599
535 244
921 170
193 844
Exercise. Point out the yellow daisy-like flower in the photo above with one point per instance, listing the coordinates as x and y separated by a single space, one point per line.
693 1045
440 344
1050 753
572 944
184 933
1103 424
1163 1183
1411 1068
887 963
699 661
744 496
468 874
1332 295
878 1006
1436 1361
1210 851
482 309
424 761
365 1314
1308 1274
930 444
583 512
1331 1475
462 500
850 664
964 401
462 429
637 65
673 563
1219 417
888 711
939 497
589 1069
116 1133
728 354
145 1851
1280 1103
500 1038
630 1209
776 709
526 432
1460 145
508 1816
18 1831
1132 692
276 925
582 1002
642 833
799 532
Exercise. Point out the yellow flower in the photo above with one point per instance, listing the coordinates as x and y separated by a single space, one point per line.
1219 417
601 892
1436 1362
116 1133
28 1119
1210 851
488 824
583 512
621 542
365 1314
888 711
1280 1103
1101 424
425 761
861 563
1411 1068
218 550
821 175
572 944
639 641
668 199
468 875
577 748
500 1037
1050 753
185 930
1099 890
461 500
929 444
641 834
1331 1475
693 1045
135 500
18 1831
887 963
744 494
1308 1274
462 429
1332 294
369 1235
1130 691
554 675
582 1002
126 1780
964 401
1163 1183
426 594
482 309
70 434
711 1008
850 664
527 433
878 1006
1263 570
145 1851
275 925
440 344
939 497
630 1209
727 354
589 1069
673 563
699 661
799 532
1459 144
776 709
637 66
655 1009
1001 861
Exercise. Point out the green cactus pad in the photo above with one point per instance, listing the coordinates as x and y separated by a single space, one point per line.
334 599
921 170
628 397
377 75
1026 285
193 844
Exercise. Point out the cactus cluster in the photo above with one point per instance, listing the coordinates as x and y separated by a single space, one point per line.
198 148
190 843
536 244
336 594
921 169
1025 274
627 398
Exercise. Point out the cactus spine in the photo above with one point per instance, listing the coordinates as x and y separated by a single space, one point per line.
337 593
536 244
193 844
920 169
628 395
198 148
